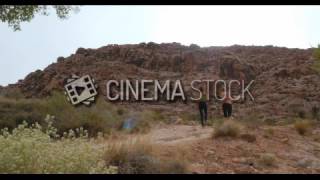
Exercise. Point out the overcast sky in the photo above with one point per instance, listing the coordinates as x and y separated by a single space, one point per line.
45 38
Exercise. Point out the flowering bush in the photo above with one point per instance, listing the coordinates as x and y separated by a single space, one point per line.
35 149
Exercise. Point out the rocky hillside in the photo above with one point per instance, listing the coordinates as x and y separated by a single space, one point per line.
284 82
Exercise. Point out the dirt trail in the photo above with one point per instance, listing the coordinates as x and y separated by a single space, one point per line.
292 152
179 133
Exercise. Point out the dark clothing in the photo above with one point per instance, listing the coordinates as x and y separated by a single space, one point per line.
227 109
203 112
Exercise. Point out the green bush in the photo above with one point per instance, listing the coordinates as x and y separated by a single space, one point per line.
100 117
13 93
33 150
15 111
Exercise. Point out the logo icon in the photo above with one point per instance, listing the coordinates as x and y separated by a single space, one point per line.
81 90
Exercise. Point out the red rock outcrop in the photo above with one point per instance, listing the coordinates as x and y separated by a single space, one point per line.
282 76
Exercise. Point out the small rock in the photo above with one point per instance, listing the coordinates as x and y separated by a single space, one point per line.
240 160
285 140
304 163
60 59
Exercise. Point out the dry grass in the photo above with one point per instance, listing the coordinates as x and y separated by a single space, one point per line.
267 159
137 156
302 126
142 121
268 133
228 128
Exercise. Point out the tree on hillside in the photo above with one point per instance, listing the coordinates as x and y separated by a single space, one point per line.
14 14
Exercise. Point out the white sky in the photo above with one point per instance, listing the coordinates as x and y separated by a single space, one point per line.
46 37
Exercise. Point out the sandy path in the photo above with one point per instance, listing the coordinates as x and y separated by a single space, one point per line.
179 133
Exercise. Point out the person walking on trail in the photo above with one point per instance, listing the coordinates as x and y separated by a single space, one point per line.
227 104
203 107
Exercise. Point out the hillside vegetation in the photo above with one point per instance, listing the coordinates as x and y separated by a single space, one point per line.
101 116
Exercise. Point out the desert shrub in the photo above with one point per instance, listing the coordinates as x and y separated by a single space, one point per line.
28 149
126 156
302 126
268 133
136 157
267 159
228 128
316 56
70 117
218 121
120 111
142 126
13 93
15 111
174 167
101 116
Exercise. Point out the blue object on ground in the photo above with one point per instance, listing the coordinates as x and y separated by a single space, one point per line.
128 124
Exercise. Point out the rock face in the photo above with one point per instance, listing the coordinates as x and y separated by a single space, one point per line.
284 83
